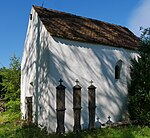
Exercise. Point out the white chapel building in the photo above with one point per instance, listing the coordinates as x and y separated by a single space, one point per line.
63 46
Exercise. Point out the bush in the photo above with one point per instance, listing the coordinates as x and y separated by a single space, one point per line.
13 106
10 84
139 88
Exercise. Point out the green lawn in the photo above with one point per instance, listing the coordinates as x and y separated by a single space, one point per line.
12 127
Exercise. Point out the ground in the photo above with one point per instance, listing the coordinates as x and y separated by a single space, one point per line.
12 127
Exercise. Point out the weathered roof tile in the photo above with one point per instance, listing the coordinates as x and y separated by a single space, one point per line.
78 28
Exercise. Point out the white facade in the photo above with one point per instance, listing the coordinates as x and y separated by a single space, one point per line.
46 59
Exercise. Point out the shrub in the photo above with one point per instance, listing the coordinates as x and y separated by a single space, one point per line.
139 88
11 83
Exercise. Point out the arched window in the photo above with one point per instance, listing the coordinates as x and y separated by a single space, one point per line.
118 69
117 72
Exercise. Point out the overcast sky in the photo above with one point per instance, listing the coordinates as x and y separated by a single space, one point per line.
14 15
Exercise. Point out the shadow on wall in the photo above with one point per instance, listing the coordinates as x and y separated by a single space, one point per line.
60 59
86 63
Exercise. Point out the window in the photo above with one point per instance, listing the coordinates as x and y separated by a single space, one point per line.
118 69
117 72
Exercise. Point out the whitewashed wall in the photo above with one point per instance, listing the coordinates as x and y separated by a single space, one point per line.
46 59
28 64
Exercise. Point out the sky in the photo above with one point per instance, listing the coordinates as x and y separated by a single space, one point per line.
14 16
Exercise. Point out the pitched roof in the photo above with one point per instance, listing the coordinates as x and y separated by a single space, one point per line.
69 26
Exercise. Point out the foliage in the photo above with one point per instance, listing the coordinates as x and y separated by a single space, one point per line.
13 105
8 123
11 83
139 88
1 87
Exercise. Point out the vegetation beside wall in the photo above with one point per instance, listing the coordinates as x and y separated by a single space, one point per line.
10 84
139 88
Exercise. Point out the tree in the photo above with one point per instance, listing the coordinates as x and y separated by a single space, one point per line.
11 83
1 87
139 88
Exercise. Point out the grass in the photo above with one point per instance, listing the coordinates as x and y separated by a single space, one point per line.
8 124
12 127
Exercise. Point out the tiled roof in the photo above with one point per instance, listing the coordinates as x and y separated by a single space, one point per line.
69 26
